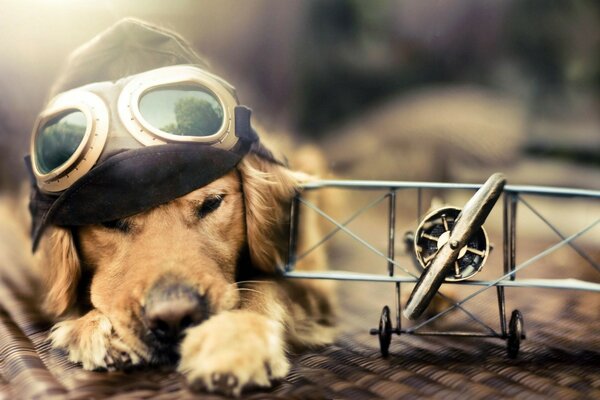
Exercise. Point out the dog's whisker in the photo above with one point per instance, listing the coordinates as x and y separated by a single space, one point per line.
242 282
250 290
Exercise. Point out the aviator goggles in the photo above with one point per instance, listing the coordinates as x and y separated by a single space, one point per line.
109 150
171 105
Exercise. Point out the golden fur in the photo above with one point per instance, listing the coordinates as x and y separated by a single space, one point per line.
98 278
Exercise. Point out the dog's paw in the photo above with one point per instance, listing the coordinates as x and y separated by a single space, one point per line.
91 341
232 351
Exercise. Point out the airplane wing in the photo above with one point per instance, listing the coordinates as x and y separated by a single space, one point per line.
567 284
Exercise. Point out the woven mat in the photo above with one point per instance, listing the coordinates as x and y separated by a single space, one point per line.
559 359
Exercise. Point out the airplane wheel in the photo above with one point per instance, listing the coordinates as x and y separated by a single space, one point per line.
385 331
516 333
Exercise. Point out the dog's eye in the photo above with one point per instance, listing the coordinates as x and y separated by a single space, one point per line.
118 224
209 205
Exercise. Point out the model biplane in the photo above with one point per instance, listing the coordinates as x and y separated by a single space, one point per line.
449 246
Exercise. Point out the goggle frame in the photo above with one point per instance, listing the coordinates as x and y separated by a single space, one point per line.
89 149
97 116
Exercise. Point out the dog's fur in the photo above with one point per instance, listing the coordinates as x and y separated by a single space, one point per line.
98 279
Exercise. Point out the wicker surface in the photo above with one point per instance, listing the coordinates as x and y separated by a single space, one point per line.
559 359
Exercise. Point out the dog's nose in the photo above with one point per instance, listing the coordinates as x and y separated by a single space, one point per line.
170 309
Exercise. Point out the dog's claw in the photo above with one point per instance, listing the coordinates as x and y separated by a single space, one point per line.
125 358
224 383
232 381
269 370
110 362
198 385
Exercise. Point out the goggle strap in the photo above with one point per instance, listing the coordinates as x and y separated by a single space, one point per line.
29 168
39 204
243 127
248 136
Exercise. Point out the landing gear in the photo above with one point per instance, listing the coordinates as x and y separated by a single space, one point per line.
516 333
385 331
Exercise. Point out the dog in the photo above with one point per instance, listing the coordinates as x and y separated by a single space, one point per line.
127 291
193 281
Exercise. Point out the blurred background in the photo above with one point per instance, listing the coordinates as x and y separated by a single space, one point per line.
422 90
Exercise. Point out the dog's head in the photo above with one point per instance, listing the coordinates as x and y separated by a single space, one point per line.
157 272
154 237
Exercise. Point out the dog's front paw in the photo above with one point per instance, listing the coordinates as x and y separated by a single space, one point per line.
232 351
91 341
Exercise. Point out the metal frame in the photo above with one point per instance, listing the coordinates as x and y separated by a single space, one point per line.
512 197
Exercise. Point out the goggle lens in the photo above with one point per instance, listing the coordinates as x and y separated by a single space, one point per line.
182 110
58 139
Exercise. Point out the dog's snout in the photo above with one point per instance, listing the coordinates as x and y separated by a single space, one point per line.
170 309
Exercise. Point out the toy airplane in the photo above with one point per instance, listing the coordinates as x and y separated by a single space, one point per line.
449 246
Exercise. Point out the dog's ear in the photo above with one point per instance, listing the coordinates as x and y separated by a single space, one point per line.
60 269
268 191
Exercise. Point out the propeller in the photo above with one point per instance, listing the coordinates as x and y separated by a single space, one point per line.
471 218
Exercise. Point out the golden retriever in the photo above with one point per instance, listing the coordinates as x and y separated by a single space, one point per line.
194 279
